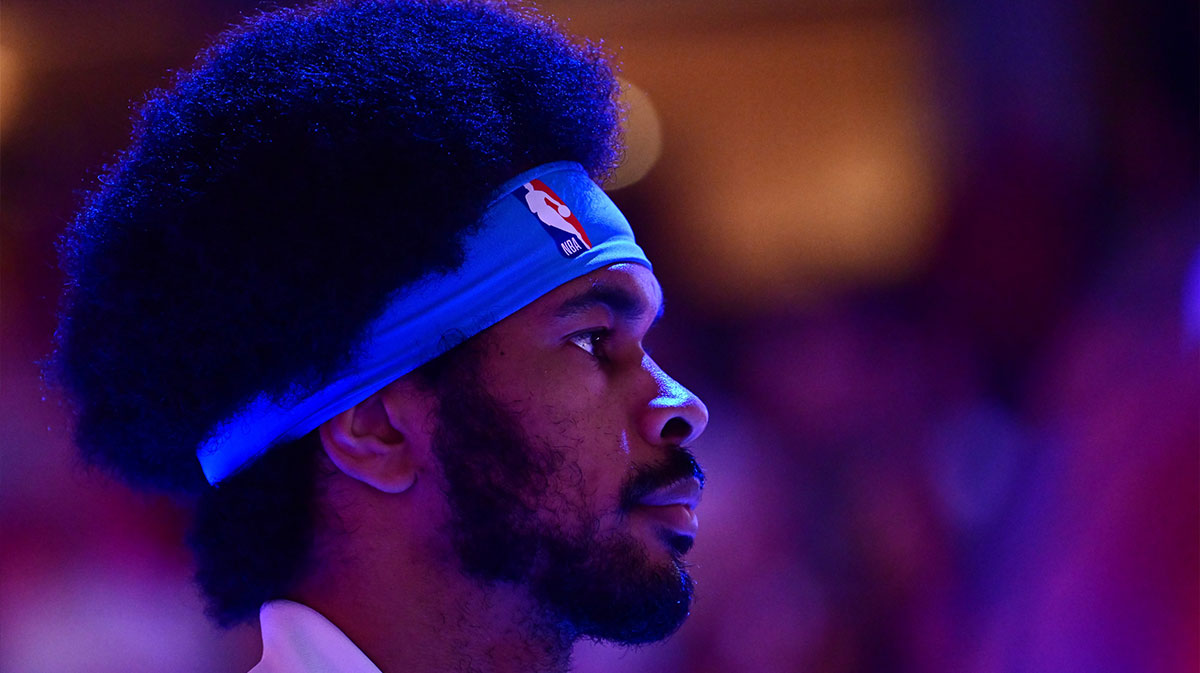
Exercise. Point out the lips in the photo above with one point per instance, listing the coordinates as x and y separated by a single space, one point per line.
674 506
683 492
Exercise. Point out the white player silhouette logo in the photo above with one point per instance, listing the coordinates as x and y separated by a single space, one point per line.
556 218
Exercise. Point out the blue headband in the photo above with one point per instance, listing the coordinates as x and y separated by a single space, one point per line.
543 228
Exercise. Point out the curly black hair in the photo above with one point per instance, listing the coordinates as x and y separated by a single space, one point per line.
312 163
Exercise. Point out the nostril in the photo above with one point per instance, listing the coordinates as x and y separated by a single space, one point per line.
676 430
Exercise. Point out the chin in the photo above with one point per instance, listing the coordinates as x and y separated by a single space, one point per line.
649 621
618 594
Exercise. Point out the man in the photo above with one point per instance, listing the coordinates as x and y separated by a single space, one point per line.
353 287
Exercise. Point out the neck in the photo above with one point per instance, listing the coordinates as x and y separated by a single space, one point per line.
410 608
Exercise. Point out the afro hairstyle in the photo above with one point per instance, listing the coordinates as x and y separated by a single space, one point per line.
274 197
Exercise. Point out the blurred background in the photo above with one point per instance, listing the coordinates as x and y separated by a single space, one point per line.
933 266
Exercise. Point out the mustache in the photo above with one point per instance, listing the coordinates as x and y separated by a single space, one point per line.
679 464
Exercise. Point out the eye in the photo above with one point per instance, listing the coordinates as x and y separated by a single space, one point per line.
592 341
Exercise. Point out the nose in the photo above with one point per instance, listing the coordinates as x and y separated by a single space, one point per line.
675 415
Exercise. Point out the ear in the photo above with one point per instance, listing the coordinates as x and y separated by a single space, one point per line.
383 440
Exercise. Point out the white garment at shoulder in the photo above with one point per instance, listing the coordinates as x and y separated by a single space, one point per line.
298 639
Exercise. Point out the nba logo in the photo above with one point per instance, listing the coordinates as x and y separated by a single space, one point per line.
556 218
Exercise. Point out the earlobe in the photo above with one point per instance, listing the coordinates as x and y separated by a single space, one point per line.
364 443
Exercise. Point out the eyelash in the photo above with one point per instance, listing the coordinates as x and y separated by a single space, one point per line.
596 340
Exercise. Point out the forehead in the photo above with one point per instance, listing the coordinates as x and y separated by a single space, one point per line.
629 290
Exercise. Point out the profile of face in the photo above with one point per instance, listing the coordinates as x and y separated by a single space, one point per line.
562 446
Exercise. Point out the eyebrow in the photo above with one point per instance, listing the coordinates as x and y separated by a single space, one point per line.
627 305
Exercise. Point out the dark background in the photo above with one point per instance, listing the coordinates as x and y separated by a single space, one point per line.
932 265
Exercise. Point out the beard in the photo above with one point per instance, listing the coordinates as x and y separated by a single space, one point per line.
513 520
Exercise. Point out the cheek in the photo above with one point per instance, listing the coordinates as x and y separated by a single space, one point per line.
595 447
588 416
598 452
565 400
568 404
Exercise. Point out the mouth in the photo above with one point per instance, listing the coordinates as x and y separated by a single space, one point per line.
674 507
684 492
